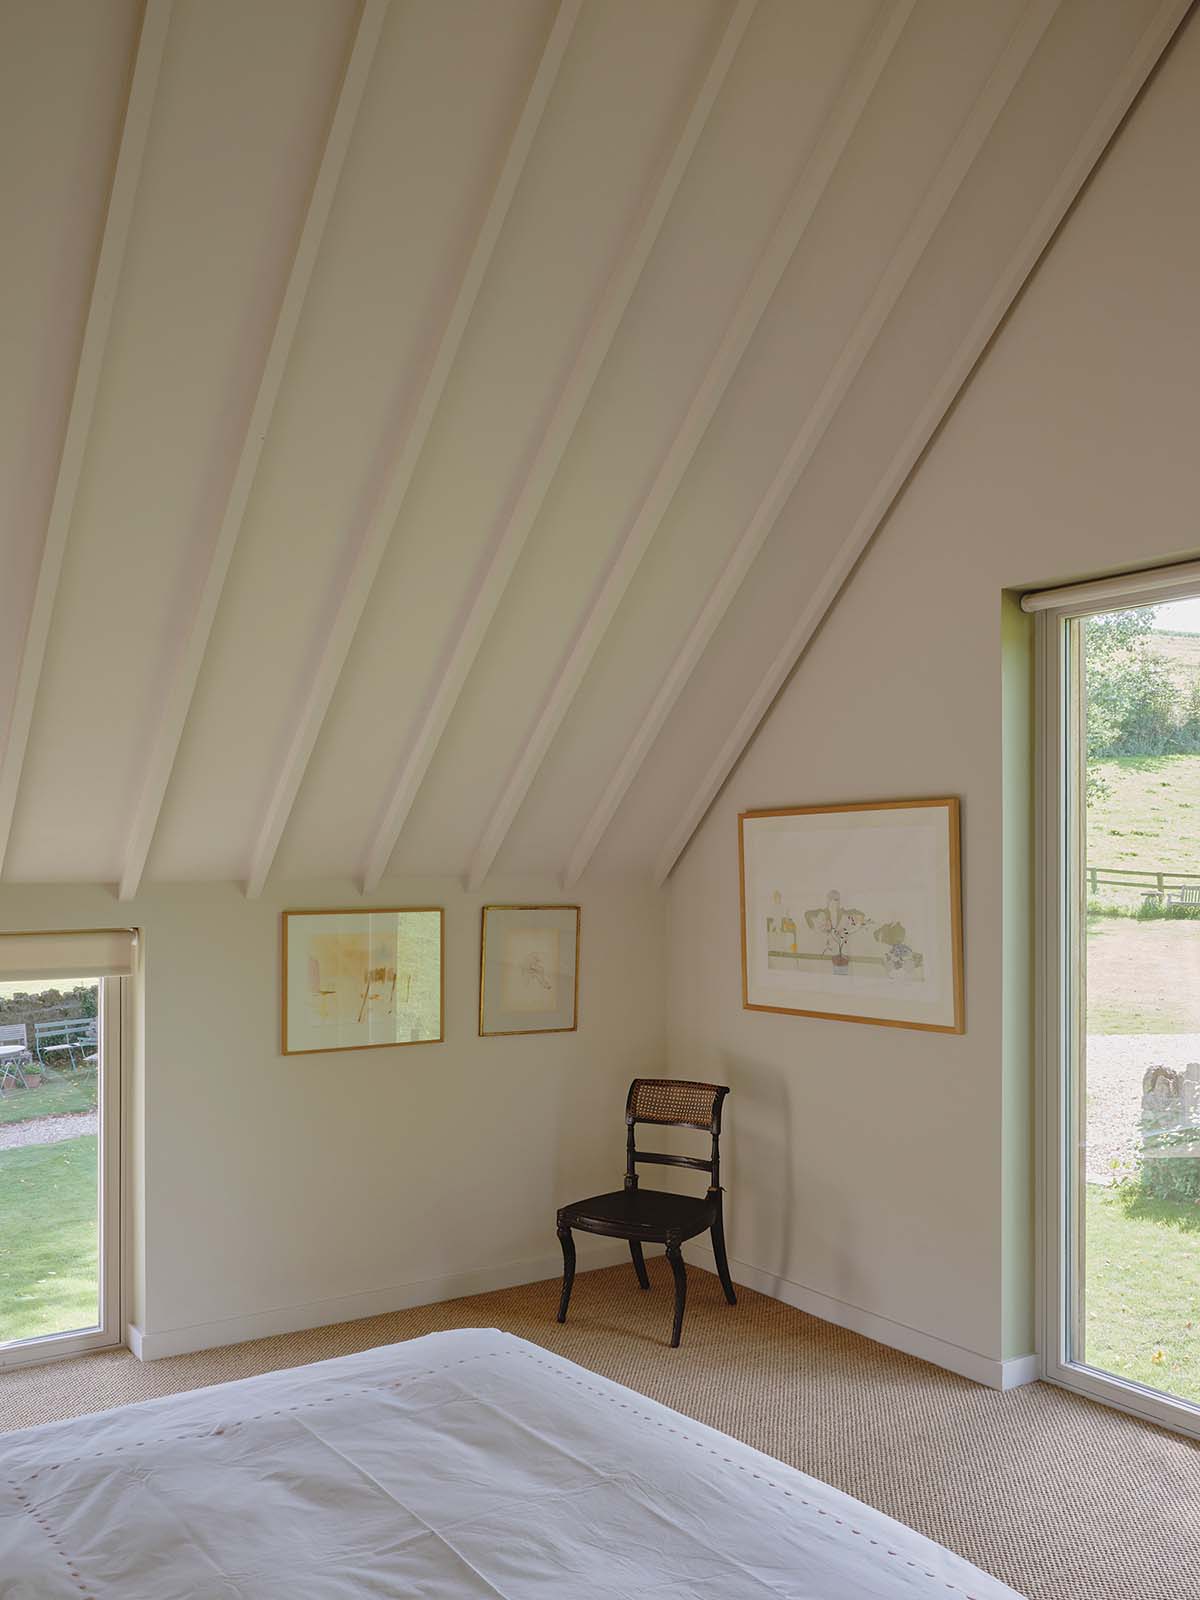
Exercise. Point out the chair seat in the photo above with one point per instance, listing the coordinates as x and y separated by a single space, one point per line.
649 1214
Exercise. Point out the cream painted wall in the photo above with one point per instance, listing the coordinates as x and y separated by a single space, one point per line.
280 1192
880 1175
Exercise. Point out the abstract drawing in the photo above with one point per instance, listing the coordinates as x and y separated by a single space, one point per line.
355 979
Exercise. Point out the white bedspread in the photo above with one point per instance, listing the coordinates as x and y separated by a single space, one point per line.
462 1465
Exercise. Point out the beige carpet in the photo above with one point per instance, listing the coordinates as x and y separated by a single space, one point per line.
1062 1499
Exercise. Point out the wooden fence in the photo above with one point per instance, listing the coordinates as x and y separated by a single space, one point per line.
1148 883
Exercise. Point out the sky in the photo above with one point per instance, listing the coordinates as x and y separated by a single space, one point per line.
1179 616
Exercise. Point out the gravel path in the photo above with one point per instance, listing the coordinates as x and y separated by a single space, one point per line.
47 1130
1115 1064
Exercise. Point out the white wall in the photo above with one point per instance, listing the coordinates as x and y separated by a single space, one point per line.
285 1191
882 1176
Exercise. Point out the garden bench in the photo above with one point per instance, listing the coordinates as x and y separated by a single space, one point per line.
1188 895
74 1039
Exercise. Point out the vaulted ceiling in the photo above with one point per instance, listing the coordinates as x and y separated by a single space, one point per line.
431 431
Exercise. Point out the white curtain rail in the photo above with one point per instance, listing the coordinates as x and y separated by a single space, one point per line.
1112 594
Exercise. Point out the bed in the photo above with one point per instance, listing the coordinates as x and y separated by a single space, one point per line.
462 1465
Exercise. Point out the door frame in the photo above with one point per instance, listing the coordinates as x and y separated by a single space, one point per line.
111 1209
1058 918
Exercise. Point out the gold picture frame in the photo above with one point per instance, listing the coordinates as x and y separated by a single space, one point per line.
784 950
351 1000
534 970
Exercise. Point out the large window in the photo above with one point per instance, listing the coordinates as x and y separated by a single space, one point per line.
1119 967
62 1028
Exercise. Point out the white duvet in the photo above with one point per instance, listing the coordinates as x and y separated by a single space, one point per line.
461 1465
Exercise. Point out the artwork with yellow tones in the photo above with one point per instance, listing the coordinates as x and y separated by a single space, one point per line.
353 980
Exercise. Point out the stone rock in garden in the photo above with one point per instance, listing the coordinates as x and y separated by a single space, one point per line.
1171 1112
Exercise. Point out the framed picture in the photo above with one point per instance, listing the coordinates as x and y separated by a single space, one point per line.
529 969
854 913
354 980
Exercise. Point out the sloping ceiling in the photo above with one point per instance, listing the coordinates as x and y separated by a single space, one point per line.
431 431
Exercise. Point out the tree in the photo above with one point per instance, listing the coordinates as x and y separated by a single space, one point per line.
1116 661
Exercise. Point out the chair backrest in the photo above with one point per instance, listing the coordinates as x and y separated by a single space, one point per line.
674 1103
14 1033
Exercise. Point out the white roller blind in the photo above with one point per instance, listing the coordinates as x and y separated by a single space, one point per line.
90 953
1147 588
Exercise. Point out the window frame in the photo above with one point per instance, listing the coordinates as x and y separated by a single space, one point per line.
108 1333
1058 918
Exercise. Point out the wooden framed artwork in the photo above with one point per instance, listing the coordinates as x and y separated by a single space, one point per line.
853 912
355 980
529 969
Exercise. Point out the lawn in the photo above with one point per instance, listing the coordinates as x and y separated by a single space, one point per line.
48 1244
1150 818
1142 1296
55 1097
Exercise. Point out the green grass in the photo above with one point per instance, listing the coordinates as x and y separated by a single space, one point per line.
1142 1299
48 1240
1150 819
55 1097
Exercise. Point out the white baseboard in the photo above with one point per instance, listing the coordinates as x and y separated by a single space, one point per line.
1018 1370
897 1335
153 1345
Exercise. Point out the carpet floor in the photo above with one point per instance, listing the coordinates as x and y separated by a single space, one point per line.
1062 1499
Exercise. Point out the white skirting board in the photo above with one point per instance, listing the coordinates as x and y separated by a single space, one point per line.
154 1345
987 1370
150 1345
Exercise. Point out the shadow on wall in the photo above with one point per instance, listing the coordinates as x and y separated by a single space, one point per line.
756 1141
786 1198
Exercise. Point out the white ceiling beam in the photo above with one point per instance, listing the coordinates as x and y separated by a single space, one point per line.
849 105
1150 46
492 576
370 544
895 278
134 133
184 673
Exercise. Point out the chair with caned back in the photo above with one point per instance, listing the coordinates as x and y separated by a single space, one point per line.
653 1216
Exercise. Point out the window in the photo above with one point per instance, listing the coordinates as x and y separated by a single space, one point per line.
62 1032
1119 990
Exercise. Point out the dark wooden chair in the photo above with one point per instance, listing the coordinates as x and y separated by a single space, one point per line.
651 1216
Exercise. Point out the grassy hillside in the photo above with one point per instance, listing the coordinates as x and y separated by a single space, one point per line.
1150 818
1181 651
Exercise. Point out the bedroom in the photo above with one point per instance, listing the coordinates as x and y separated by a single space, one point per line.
465 455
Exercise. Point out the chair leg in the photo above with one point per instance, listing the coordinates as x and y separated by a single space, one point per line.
680 1271
568 1249
639 1262
722 1260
